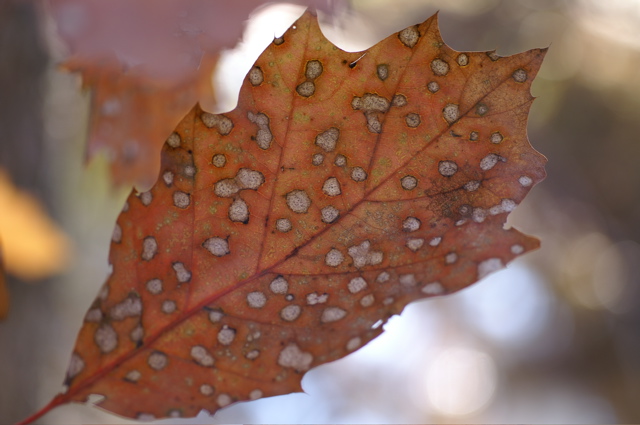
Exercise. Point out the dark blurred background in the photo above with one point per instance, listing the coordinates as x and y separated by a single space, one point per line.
555 338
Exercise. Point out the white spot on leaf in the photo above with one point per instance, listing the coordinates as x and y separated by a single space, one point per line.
334 258
292 356
332 314
217 246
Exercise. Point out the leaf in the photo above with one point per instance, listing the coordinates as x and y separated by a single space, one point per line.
280 235
155 56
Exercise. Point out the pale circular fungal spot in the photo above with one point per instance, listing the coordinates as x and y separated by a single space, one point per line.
149 248
226 335
367 300
317 159
331 187
290 312
168 306
189 171
447 168
519 75
255 395
473 136
223 400
451 113
298 201
206 390
306 89
292 356
411 224
256 76
327 140
215 316
116 236
433 87
462 59
289 297
439 67
314 298
375 258
332 314
408 279
408 182
387 301
217 246
182 274
283 225
489 161
154 286
465 210
219 160
354 343
517 249
415 244
383 277
358 174
253 354
525 181
334 258
412 120
435 241
249 179
256 299
137 334
479 215
356 285
493 55
489 266
383 71
94 315
133 376
202 356
167 176
181 199
508 205
222 123
129 307
278 41
461 222
279 285
157 360
433 288
496 138
340 160
399 100
174 140
146 198
313 70
409 36
481 109
329 214
471 186
451 258
226 188
76 365
239 211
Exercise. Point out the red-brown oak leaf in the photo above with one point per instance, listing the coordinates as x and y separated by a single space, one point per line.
279 235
